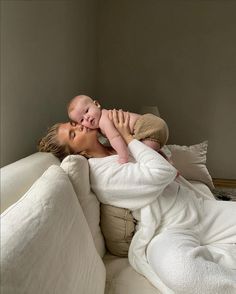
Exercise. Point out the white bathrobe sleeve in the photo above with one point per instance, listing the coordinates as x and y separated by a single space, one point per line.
132 185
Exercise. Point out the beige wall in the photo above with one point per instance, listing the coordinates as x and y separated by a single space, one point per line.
181 56
48 54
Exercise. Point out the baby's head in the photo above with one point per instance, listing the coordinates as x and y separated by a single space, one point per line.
85 111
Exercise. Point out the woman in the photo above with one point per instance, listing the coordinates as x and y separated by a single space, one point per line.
184 243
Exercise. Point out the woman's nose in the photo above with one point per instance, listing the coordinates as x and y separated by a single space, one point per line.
78 127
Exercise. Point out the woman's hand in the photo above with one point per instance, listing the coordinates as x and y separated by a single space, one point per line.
120 120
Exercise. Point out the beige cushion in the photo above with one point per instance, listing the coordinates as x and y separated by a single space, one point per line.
77 169
123 279
118 228
46 243
191 162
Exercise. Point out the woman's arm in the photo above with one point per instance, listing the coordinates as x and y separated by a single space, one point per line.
150 158
136 183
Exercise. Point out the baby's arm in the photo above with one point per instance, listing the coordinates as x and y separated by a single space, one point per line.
114 137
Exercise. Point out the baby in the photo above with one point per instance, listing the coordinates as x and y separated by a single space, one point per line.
150 129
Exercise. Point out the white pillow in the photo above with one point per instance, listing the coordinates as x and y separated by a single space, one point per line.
30 169
191 162
77 168
46 243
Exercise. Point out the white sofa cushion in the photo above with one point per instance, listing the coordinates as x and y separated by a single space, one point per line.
46 243
77 168
18 177
123 279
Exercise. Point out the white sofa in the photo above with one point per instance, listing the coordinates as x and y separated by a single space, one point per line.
51 241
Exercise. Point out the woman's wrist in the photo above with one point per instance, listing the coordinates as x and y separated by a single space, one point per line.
128 138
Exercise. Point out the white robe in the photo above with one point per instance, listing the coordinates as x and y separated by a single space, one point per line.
147 185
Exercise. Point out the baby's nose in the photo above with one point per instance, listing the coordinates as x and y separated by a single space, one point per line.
86 116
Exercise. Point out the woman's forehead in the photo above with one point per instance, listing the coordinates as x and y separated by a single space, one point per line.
63 132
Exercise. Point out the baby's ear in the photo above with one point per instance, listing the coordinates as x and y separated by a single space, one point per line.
97 103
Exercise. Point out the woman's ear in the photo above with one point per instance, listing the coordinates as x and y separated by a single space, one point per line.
97 103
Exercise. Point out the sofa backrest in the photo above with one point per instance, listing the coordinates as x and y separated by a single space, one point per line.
77 169
18 177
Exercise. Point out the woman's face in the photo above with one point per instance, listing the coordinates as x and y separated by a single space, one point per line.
77 137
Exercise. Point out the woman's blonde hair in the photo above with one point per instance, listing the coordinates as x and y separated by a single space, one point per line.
50 143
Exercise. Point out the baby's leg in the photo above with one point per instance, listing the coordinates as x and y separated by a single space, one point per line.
155 146
152 144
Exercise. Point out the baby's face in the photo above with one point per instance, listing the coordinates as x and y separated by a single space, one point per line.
86 113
